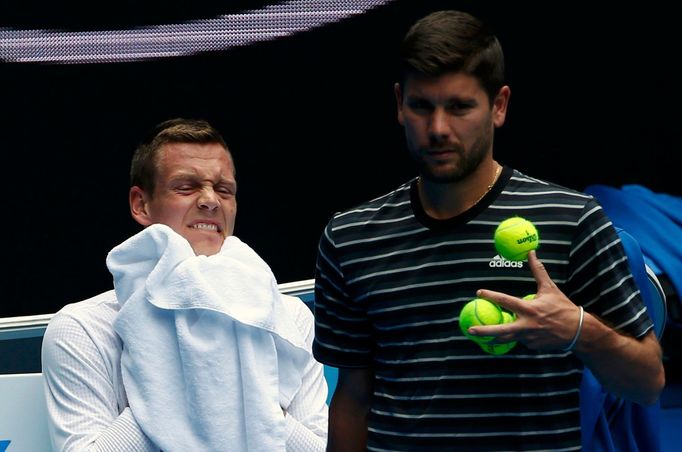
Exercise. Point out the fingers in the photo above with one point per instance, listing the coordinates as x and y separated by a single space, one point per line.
512 303
539 272
547 322
508 302
536 320
502 333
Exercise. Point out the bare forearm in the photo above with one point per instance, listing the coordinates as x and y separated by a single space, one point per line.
347 425
348 411
628 367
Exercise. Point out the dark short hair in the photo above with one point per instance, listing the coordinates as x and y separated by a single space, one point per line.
178 130
453 41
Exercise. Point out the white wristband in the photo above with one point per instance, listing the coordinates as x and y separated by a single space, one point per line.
571 346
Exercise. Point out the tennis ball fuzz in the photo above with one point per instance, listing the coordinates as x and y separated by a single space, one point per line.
500 349
515 237
479 312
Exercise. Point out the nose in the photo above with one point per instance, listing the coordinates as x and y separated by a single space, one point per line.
208 199
438 123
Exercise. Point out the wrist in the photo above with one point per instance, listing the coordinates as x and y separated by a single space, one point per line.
579 330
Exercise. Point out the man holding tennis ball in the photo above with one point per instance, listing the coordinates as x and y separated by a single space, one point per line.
394 273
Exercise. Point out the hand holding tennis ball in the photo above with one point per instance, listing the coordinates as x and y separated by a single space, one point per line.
515 237
480 311
500 349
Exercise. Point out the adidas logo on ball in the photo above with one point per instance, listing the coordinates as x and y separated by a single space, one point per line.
498 261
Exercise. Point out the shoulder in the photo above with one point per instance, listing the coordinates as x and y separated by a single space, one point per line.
92 317
300 313
387 209
381 205
102 307
82 331
522 181
523 190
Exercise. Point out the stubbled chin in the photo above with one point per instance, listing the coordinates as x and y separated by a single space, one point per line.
442 174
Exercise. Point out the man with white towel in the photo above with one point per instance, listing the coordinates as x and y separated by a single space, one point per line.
195 348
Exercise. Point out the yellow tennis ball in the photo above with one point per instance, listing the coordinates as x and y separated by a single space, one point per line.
500 349
479 312
530 296
515 237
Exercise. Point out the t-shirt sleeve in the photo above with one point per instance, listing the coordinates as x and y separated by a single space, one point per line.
342 328
601 279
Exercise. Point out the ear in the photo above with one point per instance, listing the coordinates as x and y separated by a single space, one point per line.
500 106
399 102
139 208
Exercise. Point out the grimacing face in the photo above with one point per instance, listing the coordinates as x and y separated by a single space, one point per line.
449 123
195 195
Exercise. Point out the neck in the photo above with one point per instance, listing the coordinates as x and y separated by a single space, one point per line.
443 201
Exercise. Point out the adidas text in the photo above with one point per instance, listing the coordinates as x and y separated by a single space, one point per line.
498 261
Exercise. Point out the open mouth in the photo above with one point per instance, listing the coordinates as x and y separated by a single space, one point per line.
207 227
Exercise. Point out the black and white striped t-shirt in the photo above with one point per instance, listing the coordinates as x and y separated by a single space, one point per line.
390 283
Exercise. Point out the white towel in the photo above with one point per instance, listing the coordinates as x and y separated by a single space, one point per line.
209 353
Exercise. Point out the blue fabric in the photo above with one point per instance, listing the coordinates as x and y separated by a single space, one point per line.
609 423
619 425
655 306
331 374
653 219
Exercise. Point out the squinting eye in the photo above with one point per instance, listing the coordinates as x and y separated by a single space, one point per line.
224 190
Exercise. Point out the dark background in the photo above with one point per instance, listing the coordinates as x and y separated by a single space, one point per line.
310 120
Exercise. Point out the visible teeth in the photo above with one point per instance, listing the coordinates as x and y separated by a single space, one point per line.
206 226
